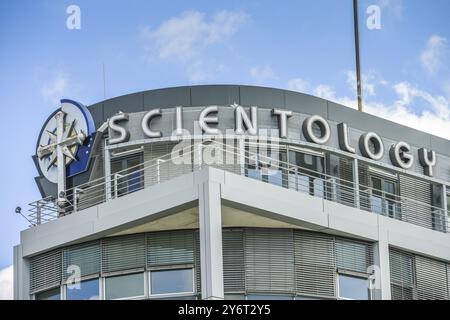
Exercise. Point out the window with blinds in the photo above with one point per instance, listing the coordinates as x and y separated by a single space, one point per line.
315 267
123 252
414 277
45 271
269 261
402 275
170 248
233 261
85 256
353 255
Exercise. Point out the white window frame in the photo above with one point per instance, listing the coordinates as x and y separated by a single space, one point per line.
173 294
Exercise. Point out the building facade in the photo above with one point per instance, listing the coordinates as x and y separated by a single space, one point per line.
234 192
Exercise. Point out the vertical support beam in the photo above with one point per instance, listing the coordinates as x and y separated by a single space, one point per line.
381 259
21 277
107 167
210 219
356 182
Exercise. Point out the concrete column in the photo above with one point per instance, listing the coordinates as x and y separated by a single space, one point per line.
210 219
381 259
21 275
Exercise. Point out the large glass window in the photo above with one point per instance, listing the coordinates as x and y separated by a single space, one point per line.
353 288
128 174
87 290
172 281
384 196
125 286
52 294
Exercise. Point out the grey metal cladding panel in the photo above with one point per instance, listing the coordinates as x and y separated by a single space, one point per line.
96 111
384 128
440 144
166 98
214 95
129 103
262 97
304 103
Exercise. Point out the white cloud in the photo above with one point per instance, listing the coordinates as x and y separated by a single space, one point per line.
52 91
298 84
434 117
199 72
6 283
325 92
434 54
184 37
367 82
262 74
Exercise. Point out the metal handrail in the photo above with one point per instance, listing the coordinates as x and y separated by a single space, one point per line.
301 179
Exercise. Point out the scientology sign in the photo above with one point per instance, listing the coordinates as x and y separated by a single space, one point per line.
246 123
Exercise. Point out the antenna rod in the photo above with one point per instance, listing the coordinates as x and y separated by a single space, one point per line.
104 82
358 65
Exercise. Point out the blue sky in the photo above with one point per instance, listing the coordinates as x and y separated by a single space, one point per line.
300 45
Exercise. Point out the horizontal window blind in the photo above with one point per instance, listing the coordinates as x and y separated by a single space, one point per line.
86 256
45 271
233 261
414 277
269 261
431 279
353 255
170 248
198 275
402 275
123 252
315 267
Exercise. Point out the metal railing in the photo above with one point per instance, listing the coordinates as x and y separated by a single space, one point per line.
256 166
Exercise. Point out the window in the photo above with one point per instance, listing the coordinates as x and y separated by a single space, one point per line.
52 294
353 288
266 164
306 173
172 281
132 179
125 286
384 196
88 290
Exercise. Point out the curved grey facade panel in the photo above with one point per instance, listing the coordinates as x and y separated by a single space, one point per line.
223 95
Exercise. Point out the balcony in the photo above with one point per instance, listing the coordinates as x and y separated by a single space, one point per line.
252 165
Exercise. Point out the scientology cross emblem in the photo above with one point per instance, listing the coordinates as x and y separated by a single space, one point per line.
61 150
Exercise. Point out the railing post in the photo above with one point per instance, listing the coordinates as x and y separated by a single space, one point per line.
158 170
446 217
242 155
356 182
107 166
200 158
38 213
115 177
75 199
